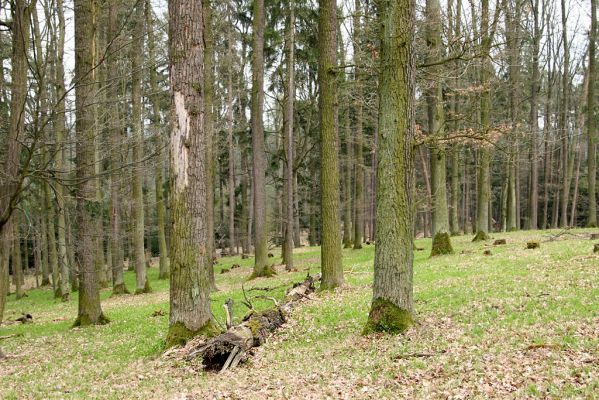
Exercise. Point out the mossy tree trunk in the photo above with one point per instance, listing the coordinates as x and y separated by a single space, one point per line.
141 278
392 302
230 139
191 255
331 259
436 127
261 267
89 210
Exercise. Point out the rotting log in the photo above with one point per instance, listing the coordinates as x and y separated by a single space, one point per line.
232 347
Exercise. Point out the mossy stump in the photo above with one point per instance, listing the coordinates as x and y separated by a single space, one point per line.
533 244
596 248
179 334
386 317
441 244
499 242
481 236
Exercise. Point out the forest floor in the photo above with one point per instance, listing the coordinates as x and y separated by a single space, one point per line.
514 324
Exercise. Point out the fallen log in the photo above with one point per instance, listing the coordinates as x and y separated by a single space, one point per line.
228 349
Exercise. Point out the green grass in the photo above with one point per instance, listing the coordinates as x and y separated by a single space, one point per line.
517 324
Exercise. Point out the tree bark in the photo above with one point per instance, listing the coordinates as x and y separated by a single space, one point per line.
288 124
332 268
159 141
141 278
592 119
261 267
191 255
89 209
358 106
392 300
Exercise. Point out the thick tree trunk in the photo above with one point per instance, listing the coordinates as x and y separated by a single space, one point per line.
89 210
331 259
261 267
191 255
392 300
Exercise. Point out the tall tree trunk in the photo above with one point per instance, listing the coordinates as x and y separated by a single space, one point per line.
392 300
484 153
116 132
436 126
230 140
288 124
261 267
332 267
563 121
359 157
141 277
208 77
191 255
592 118
533 203
89 209
60 127
159 141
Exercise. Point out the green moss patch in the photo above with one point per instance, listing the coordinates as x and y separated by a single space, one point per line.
386 317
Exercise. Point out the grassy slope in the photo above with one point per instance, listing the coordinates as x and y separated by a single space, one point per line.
519 323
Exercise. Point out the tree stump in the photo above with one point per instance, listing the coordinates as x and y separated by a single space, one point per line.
499 242
487 252
533 244
244 256
596 248
441 244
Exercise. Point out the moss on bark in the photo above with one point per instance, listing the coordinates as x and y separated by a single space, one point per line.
266 272
179 334
481 236
386 317
120 289
441 244
146 289
86 320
